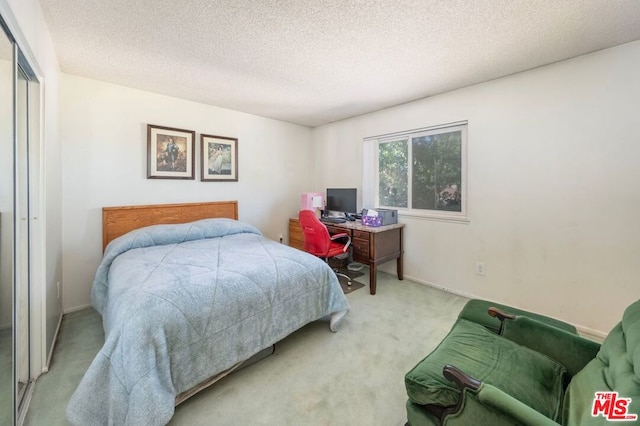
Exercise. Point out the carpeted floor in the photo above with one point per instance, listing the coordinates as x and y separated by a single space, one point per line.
315 377
6 378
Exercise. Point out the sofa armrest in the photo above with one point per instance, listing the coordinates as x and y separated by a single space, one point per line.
571 350
500 314
511 407
494 398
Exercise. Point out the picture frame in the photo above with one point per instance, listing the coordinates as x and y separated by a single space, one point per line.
218 158
170 153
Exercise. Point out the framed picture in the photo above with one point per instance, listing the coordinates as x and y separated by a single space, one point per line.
170 153
219 158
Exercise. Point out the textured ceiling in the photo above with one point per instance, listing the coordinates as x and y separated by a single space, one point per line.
316 61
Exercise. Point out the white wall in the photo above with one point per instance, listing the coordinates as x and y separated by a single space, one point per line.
27 24
103 127
553 195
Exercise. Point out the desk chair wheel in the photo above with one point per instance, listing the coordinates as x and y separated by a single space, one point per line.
340 274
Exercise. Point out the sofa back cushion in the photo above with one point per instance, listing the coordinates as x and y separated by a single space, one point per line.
528 376
615 368
476 310
631 330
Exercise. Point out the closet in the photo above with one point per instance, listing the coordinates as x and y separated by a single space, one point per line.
19 183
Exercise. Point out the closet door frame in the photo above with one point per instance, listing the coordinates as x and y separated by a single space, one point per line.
35 246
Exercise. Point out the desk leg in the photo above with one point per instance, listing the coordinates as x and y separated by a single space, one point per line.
373 277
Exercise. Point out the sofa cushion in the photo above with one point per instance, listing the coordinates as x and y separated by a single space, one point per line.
528 376
615 368
417 415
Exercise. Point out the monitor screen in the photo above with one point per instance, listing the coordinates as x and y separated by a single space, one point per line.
342 200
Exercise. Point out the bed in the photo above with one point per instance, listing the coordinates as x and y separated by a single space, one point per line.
187 293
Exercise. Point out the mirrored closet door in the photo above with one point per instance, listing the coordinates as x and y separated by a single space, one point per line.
22 228
6 230
19 168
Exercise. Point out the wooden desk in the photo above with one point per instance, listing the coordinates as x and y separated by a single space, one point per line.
372 246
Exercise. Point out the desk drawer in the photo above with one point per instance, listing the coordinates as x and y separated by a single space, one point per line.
360 250
363 235
337 230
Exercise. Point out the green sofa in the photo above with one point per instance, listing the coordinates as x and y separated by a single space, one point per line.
503 366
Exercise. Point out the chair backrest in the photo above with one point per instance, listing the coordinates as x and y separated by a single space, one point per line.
616 368
317 240
620 354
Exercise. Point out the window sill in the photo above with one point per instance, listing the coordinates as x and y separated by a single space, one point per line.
434 216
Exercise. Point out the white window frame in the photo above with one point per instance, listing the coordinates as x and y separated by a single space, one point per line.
371 171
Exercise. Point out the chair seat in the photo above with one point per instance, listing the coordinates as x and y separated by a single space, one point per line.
336 249
528 376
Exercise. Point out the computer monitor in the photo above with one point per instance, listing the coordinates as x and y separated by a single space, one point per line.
342 200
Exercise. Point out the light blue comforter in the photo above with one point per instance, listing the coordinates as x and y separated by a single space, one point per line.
181 303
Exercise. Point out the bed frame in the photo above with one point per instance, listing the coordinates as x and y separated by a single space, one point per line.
117 221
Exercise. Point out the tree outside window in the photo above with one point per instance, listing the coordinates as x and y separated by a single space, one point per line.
393 166
423 171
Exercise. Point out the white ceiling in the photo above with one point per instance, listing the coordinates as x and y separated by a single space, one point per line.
313 62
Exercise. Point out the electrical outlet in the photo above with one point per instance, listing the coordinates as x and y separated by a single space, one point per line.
58 287
481 268
280 236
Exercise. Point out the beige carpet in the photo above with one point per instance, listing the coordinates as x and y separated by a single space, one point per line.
315 377
6 378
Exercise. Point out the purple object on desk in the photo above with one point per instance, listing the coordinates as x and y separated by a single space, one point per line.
372 220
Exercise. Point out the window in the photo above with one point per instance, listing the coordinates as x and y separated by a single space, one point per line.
420 172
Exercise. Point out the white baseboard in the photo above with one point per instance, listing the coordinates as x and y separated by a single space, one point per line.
45 368
76 308
445 289
590 333
586 332
26 401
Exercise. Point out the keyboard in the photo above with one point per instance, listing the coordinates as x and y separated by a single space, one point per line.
333 220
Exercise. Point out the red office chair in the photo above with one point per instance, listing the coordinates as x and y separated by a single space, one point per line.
318 242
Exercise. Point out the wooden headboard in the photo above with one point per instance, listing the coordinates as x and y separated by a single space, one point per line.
118 221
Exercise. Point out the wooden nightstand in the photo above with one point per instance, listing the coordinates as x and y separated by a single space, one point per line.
296 239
